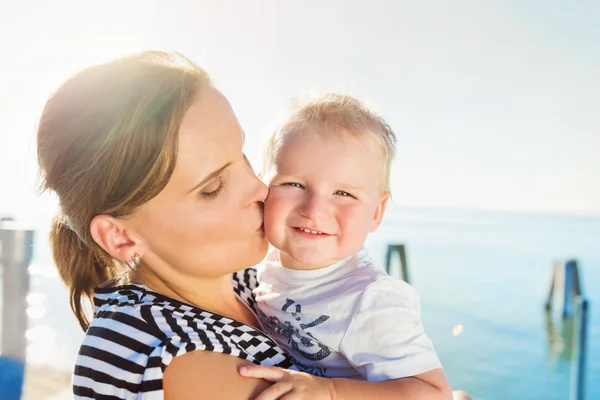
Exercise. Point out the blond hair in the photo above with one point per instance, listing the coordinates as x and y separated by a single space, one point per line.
106 144
338 113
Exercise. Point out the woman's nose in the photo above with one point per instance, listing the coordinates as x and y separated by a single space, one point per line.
259 189
262 191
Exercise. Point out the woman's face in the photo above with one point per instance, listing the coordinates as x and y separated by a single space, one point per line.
207 221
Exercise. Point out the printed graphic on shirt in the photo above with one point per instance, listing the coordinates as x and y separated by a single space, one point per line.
300 340
309 369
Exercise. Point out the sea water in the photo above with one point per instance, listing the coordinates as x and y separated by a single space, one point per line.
483 278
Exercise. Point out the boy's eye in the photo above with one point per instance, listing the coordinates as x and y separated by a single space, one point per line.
344 194
293 184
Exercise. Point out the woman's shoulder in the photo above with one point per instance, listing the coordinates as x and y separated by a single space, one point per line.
137 312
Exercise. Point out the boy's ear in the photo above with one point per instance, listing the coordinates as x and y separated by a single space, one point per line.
379 211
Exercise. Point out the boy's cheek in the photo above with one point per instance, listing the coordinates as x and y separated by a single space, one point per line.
276 202
271 207
272 218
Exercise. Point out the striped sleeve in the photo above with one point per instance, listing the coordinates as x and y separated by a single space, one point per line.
136 333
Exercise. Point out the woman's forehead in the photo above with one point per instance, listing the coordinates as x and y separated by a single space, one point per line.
209 137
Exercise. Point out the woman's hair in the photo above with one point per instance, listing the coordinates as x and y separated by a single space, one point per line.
106 144
338 114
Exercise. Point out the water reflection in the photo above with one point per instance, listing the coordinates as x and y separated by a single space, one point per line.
560 333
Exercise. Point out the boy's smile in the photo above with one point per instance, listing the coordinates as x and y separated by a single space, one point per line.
312 234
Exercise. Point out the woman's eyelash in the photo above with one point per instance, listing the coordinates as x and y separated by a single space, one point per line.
214 193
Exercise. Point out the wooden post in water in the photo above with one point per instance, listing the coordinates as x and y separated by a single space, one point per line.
401 251
578 368
566 299
564 288
16 249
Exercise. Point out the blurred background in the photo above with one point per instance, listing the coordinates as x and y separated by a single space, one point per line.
496 104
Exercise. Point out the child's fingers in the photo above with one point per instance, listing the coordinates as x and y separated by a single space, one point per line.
276 391
271 374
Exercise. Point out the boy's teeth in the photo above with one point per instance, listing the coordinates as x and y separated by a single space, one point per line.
309 231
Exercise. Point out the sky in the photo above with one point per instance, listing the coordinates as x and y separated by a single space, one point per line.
496 104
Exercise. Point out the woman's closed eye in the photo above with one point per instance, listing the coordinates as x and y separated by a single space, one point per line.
213 189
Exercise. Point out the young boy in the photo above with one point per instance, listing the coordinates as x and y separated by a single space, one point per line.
320 295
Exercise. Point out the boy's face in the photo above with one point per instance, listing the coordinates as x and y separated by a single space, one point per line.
323 198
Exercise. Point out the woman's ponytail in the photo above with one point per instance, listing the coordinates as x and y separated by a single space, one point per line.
78 267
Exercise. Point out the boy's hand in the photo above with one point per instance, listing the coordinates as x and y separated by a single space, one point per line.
290 385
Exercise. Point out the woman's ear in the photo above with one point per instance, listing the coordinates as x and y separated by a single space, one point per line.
379 211
112 235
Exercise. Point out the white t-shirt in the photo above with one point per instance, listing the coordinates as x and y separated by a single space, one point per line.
350 319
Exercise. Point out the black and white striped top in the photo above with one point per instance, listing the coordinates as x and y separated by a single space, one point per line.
136 333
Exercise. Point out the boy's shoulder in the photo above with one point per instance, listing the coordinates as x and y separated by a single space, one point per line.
374 280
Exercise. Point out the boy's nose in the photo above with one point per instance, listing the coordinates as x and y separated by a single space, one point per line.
316 208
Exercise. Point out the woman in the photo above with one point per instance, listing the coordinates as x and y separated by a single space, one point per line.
159 209
159 206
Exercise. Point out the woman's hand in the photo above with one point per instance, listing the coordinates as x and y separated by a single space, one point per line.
290 385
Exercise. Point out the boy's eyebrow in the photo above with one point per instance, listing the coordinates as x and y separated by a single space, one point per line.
210 176
350 187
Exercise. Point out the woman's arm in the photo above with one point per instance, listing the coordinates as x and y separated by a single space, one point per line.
209 375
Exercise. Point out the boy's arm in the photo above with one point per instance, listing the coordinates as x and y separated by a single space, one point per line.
387 344
385 339
430 385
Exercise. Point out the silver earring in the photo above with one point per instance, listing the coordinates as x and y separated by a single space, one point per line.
135 261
